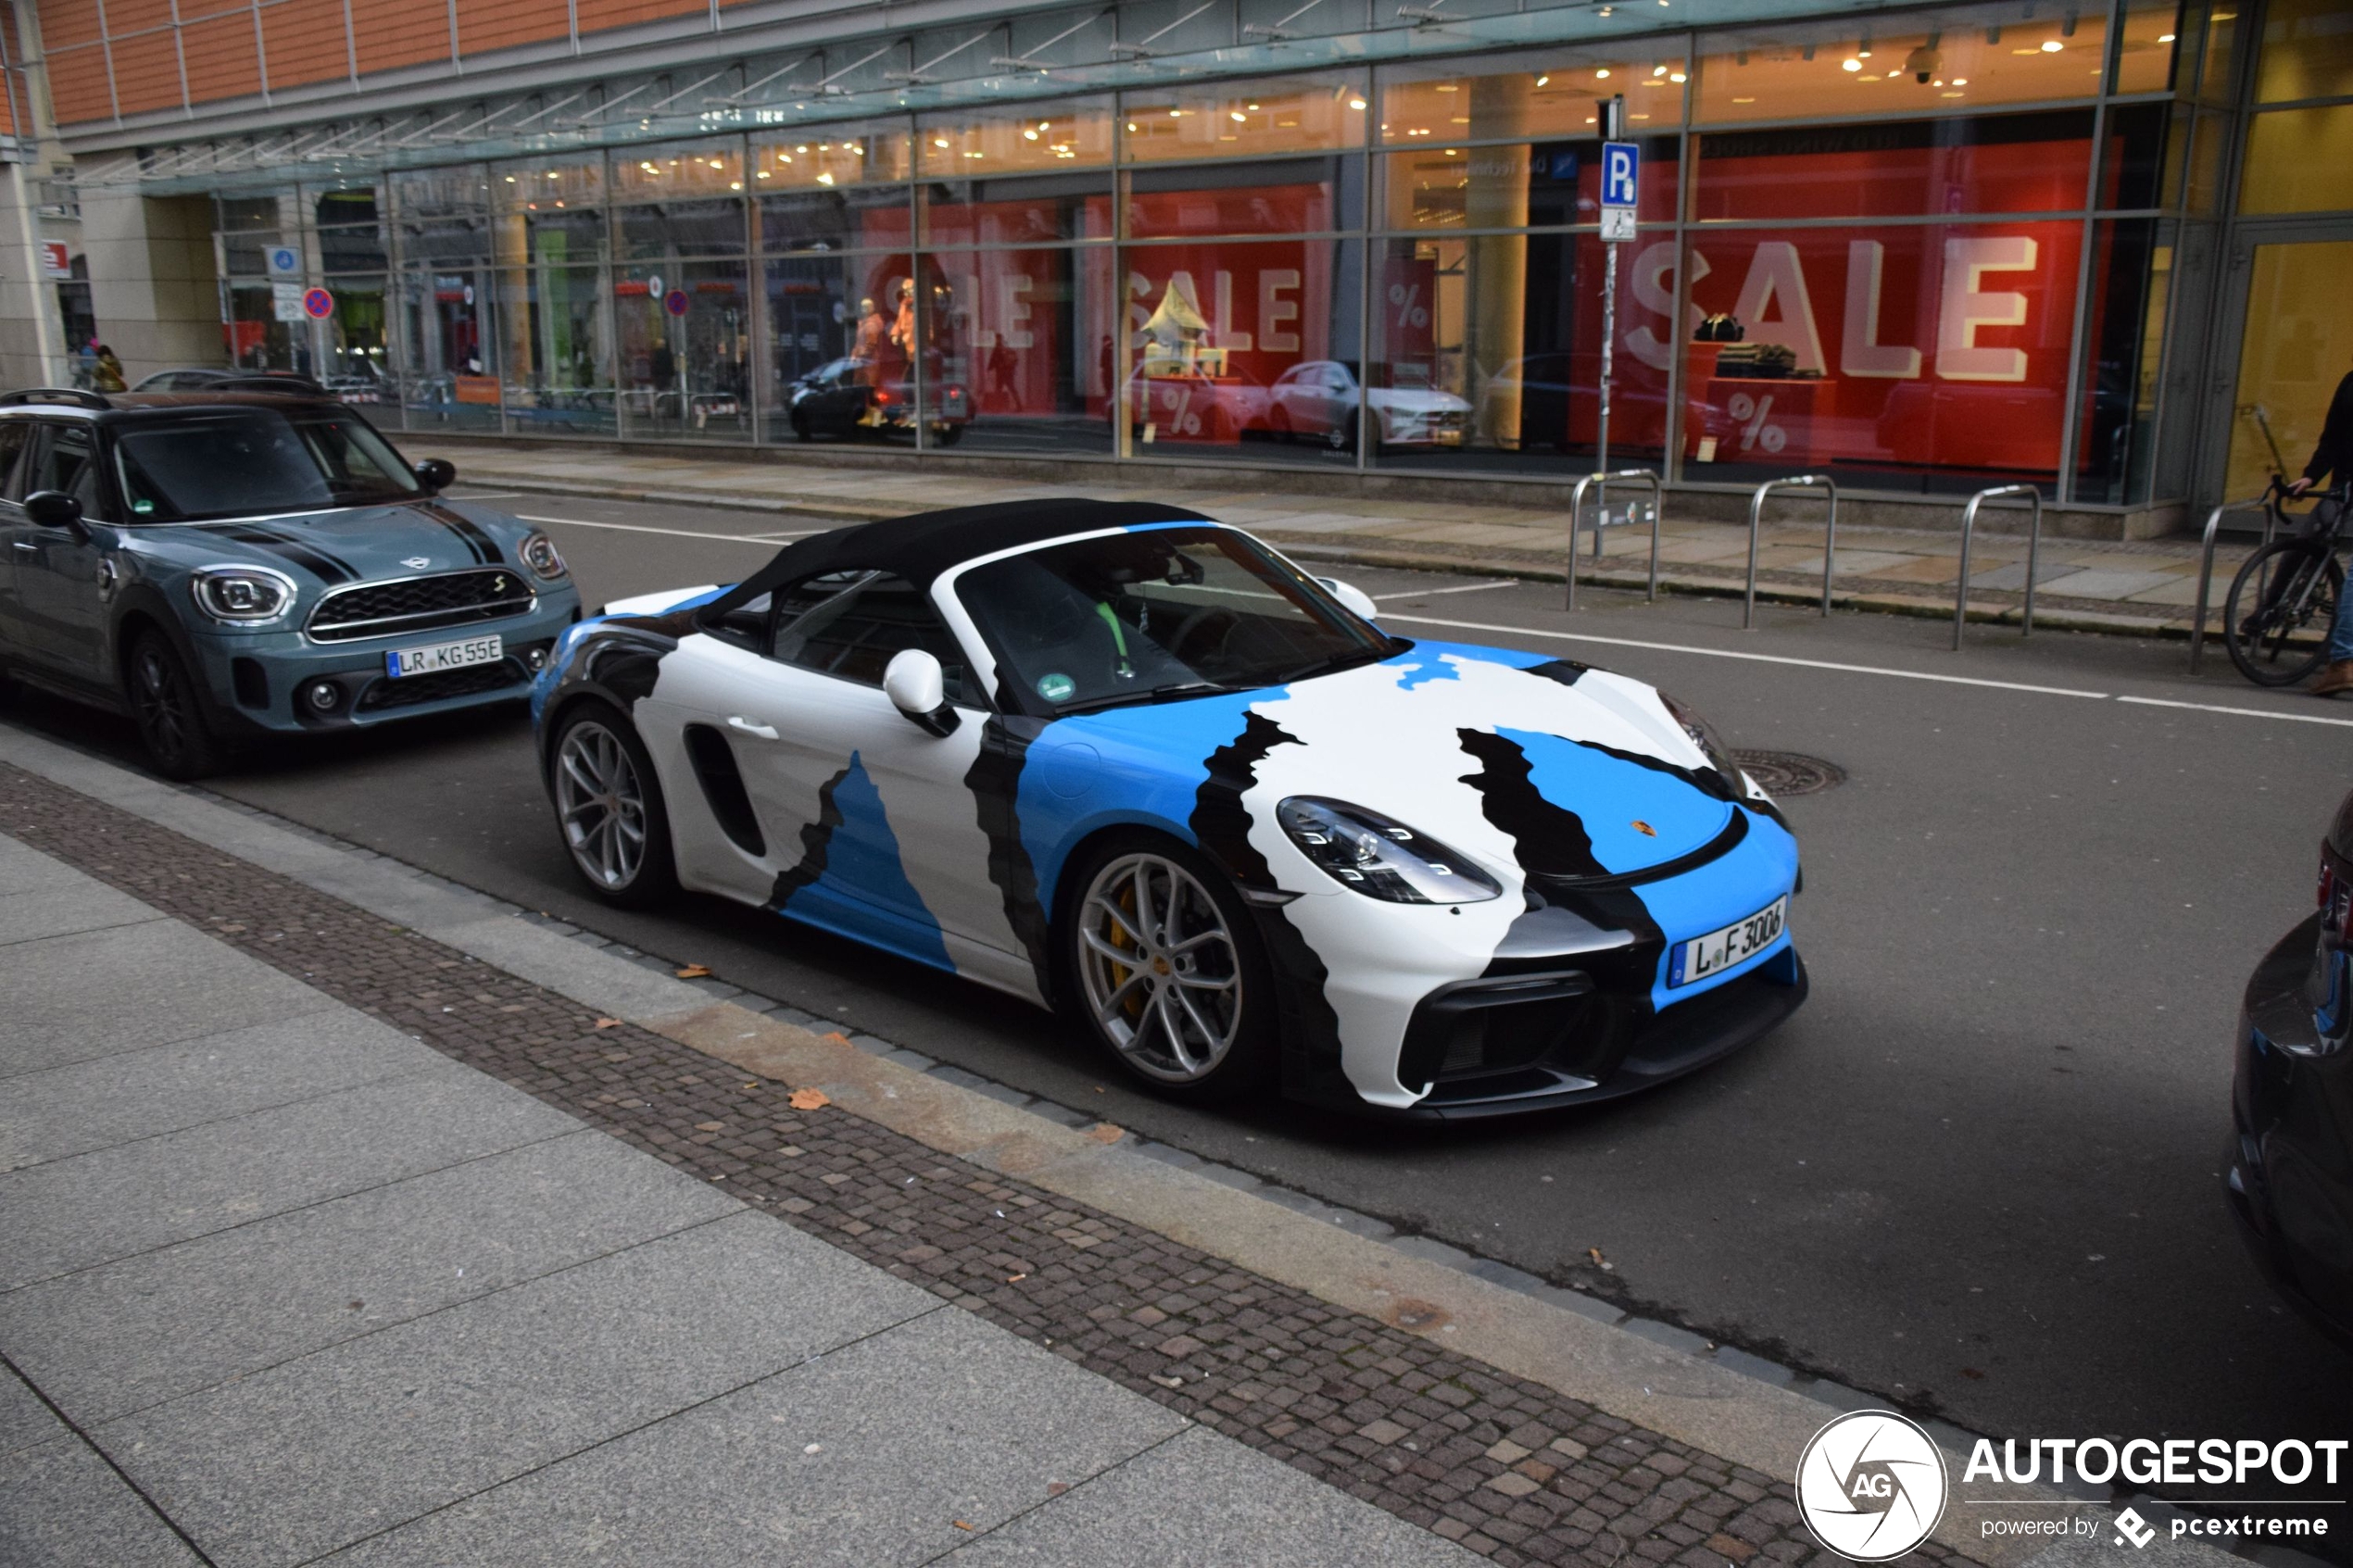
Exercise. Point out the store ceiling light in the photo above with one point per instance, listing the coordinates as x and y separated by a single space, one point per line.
1356 104
825 179
1542 80
1236 116
1602 74
1850 64
2052 45
1676 76
1029 135
2165 38
1658 71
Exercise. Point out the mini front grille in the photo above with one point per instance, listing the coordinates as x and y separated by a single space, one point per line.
420 604
415 689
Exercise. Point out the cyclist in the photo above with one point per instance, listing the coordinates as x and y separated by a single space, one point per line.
2334 455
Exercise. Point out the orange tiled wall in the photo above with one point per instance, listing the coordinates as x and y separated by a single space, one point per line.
133 57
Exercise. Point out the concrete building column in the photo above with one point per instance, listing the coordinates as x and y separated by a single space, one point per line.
31 339
154 286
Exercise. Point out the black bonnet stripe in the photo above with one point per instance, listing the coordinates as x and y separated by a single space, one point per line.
468 533
1567 671
1551 839
816 842
327 568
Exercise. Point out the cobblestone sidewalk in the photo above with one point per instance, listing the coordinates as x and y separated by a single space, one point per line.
1508 1468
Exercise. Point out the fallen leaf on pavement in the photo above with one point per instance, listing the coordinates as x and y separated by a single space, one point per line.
959 1524
1594 1253
808 1099
695 972
1015 1279
1103 1132
607 1023
836 1035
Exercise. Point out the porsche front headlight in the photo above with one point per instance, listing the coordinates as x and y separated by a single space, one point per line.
1704 736
1379 856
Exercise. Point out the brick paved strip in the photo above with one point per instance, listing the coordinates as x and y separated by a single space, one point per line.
1507 1467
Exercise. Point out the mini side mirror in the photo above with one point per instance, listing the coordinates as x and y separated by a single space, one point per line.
916 687
1351 596
436 473
54 509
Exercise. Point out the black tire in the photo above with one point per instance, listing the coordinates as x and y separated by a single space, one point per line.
595 740
949 434
2274 597
168 709
1248 1063
799 425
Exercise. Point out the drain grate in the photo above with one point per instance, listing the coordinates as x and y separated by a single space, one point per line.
1790 773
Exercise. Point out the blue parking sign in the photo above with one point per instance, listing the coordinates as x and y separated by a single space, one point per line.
1621 161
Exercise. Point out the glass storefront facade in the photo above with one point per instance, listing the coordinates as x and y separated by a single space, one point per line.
1924 251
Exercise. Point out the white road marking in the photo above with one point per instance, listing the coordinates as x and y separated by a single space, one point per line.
1753 657
1874 670
2247 712
675 532
1467 588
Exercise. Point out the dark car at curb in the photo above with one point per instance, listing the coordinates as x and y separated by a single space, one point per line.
223 566
2290 1177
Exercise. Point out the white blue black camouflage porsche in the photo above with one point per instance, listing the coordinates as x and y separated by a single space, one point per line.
1128 762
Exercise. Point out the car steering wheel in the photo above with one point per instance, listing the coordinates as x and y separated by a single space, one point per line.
1209 622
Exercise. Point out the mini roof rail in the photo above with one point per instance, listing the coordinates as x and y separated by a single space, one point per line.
286 384
73 395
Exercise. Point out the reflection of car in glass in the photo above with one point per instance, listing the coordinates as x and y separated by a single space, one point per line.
1167 400
196 380
849 398
1316 401
2290 1181
1132 762
225 564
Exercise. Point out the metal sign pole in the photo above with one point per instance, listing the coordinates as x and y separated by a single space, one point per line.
1620 162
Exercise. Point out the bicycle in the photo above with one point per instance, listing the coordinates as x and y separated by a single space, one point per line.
2288 586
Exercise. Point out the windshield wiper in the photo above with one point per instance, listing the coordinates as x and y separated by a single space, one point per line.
1151 694
1333 664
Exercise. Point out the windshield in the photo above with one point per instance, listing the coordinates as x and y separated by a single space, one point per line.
1158 613
244 462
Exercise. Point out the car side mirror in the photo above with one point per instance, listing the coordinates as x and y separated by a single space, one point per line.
1351 596
917 688
54 509
436 473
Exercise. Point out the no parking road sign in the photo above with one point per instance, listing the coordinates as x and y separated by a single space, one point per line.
317 305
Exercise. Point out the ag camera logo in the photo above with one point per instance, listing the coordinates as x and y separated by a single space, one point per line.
1871 1485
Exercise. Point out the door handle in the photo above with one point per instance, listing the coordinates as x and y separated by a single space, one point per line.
745 726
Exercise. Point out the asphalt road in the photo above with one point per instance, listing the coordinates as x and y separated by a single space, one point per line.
1979 1172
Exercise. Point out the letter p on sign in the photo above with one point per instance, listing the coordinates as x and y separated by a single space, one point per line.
1620 162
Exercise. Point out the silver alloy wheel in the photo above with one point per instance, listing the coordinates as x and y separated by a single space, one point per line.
1161 975
602 805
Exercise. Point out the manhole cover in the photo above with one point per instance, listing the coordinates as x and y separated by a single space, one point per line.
1790 773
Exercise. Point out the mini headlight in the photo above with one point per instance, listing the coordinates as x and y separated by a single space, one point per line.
539 553
243 595
1379 856
1704 736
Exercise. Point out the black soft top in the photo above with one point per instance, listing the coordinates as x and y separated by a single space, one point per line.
922 545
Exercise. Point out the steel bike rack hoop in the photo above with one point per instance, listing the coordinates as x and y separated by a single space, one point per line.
1577 517
2205 566
1820 481
2034 496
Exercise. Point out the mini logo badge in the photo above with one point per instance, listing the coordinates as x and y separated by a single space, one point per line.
1644 828
1871 1485
2131 1527
416 563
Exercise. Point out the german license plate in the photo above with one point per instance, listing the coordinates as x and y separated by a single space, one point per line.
432 661
1719 950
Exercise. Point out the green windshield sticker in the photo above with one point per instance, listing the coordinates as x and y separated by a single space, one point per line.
1056 687
143 507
